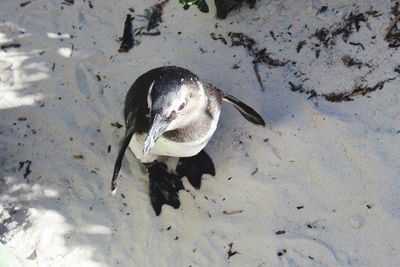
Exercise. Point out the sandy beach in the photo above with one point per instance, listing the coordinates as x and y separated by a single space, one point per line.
319 186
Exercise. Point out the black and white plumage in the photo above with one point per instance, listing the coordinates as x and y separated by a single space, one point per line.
170 112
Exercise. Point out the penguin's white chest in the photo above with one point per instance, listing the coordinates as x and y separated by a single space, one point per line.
167 147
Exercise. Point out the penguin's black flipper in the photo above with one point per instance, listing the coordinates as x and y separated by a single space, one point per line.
124 144
194 168
163 186
247 112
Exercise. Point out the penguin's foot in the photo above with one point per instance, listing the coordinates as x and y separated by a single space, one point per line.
164 187
194 168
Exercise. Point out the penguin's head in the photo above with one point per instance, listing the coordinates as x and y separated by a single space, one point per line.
173 102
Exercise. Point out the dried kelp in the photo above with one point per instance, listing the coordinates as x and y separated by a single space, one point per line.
259 55
127 38
392 36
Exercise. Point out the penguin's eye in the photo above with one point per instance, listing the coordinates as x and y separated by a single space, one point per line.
182 106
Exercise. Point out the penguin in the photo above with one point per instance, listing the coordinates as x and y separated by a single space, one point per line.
170 112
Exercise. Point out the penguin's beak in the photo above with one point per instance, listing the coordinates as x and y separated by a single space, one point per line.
158 126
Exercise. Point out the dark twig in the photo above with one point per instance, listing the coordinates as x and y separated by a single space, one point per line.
151 33
358 44
255 67
272 35
24 3
13 45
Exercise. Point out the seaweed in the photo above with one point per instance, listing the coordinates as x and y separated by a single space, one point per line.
259 55
127 38
362 90
351 62
347 29
322 35
300 45
219 37
392 36
299 88
262 56
358 90
156 14
240 39
344 29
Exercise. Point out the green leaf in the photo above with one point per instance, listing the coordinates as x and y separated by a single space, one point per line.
201 4
187 2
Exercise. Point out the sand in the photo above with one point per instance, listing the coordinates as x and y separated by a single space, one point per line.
317 187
